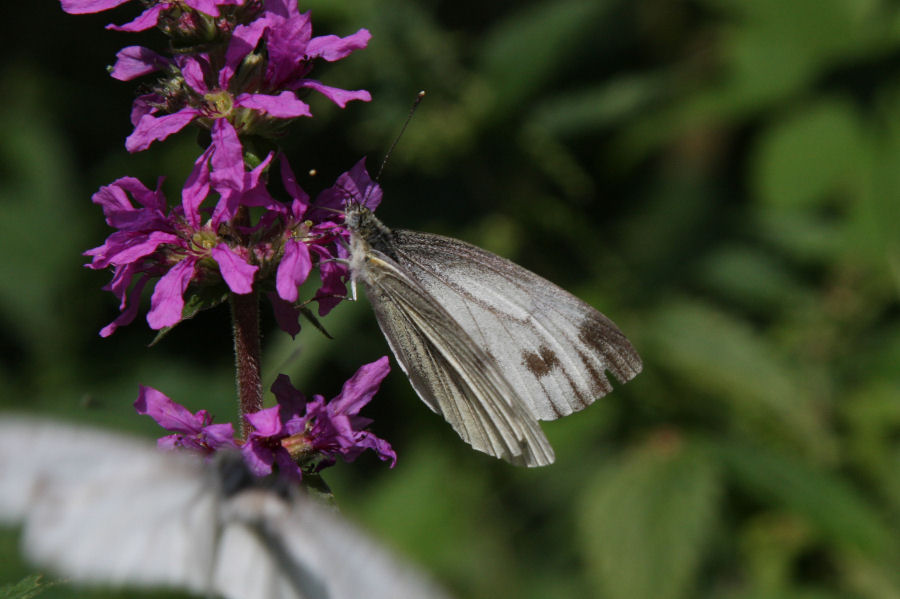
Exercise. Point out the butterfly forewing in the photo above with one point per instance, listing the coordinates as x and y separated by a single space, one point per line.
553 348
453 376
488 344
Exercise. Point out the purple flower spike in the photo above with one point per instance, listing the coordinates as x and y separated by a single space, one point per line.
191 431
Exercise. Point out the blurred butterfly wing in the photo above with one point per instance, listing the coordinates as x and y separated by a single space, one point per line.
31 450
452 375
99 507
313 554
553 348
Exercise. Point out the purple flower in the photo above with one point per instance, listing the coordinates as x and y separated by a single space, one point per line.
252 88
191 431
291 434
151 15
314 233
292 49
297 429
193 246
179 246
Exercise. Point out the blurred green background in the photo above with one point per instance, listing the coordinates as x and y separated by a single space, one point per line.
720 177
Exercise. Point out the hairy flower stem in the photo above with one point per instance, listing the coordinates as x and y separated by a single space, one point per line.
245 319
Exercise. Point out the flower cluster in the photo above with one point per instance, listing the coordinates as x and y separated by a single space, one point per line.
237 69
293 435
200 251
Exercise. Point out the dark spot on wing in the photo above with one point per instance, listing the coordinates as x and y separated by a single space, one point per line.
541 363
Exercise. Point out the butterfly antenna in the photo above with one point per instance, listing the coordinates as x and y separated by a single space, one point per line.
409 117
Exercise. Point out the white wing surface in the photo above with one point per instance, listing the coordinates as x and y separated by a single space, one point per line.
102 508
553 348
451 374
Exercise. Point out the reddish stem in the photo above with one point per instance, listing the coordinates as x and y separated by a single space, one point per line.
245 318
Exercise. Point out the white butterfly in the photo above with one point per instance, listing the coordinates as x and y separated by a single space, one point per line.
487 344
102 508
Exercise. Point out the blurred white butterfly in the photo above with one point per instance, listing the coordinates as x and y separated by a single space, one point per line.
487 344
102 508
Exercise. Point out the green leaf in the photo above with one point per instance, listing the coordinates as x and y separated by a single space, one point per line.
825 500
41 231
645 521
720 357
805 236
30 586
804 159
587 109
748 277
524 51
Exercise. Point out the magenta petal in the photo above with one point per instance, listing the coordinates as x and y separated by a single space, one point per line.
267 422
154 199
193 72
228 157
255 192
355 186
168 414
243 41
196 188
151 128
227 176
382 448
292 402
114 200
293 270
132 301
144 105
335 94
207 7
169 442
283 106
258 458
167 301
83 7
286 315
146 20
135 61
235 270
293 188
361 387
138 247
287 36
332 47
333 290
219 435
287 467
